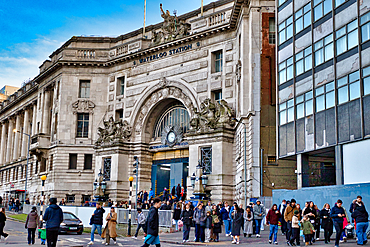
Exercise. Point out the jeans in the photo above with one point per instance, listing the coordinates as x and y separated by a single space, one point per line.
258 225
138 228
176 225
197 232
273 231
338 228
361 228
283 226
295 236
227 226
52 237
93 227
289 230
31 235
186 231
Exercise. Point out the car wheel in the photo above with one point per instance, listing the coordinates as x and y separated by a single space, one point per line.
79 233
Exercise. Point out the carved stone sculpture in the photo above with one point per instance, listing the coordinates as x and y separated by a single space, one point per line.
212 116
113 132
83 106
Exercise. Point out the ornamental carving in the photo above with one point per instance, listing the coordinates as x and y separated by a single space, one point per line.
83 106
177 132
212 116
113 132
173 28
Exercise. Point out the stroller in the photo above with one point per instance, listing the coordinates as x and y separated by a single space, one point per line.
350 229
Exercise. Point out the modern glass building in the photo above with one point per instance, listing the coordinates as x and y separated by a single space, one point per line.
323 71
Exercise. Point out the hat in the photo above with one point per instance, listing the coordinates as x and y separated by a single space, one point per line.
53 200
293 200
296 212
34 208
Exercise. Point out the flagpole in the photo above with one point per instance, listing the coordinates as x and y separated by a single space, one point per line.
145 17
201 9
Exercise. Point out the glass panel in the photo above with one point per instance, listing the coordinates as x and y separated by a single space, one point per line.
282 66
282 106
289 61
318 45
289 20
282 117
339 2
328 39
366 85
365 18
354 90
281 26
320 103
342 81
341 32
309 95
299 69
308 51
290 103
329 52
307 19
351 26
366 71
298 14
307 8
342 95
327 6
352 39
329 86
282 76
330 99
341 45
319 90
299 56
354 76
300 111
365 32
315 2
291 114
289 31
289 72
309 107
318 12
308 63
282 36
298 25
299 99
319 57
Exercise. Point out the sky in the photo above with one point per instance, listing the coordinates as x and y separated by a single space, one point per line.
31 30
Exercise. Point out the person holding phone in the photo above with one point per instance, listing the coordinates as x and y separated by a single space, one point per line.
337 214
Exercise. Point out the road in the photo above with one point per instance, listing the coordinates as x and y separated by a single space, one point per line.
18 238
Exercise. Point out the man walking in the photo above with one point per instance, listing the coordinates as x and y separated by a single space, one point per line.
337 214
96 221
153 225
282 208
259 213
225 211
53 217
288 215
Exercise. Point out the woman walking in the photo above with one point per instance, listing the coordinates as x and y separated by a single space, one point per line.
311 213
31 224
361 218
2 223
327 222
110 228
187 218
272 219
176 216
237 220
248 222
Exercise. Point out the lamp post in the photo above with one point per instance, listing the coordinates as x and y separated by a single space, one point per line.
28 158
199 182
100 186
129 206
43 178
136 172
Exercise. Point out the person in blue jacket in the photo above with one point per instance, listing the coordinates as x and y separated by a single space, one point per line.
96 222
53 217
337 214
151 194
224 212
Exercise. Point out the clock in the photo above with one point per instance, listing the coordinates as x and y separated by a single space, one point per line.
171 137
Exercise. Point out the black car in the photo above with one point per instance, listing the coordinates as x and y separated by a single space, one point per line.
71 223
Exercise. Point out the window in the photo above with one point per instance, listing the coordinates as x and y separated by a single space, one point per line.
217 95
121 85
281 2
366 80
70 199
339 2
303 18
286 30
303 61
43 165
286 112
304 105
286 70
324 50
346 37
83 125
325 97
119 114
72 161
84 89
206 159
175 115
51 162
271 30
321 8
107 167
348 87
88 162
36 167
217 61
365 27
86 198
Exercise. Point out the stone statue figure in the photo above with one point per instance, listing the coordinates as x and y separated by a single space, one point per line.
212 116
113 132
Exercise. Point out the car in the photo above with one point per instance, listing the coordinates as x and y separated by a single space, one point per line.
71 223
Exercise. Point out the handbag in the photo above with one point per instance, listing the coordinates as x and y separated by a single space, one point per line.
180 223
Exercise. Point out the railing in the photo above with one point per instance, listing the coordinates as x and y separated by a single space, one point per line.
217 19
165 216
121 50
86 53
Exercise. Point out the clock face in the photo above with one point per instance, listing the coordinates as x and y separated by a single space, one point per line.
171 137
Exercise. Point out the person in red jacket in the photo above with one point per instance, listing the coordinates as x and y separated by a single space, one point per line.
272 219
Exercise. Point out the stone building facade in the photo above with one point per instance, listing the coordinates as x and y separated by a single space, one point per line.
188 91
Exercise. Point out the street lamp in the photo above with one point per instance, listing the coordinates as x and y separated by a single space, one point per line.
136 172
43 178
197 179
28 158
192 180
204 180
100 187
129 206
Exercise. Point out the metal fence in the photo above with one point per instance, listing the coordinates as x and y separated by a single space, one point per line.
165 216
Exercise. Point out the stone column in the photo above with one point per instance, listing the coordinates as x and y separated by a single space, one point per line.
339 164
10 141
3 144
26 130
17 136
46 113
302 171
34 119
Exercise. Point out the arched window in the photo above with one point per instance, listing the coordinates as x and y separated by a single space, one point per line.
175 115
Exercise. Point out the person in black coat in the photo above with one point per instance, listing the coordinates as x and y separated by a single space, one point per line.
96 221
337 214
326 222
153 225
187 218
237 220
2 223
178 192
176 216
311 212
53 217
361 218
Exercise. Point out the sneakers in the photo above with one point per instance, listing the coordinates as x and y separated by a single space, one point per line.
226 235
103 242
270 241
237 242
115 242
233 242
276 243
90 243
134 237
184 241
258 236
106 244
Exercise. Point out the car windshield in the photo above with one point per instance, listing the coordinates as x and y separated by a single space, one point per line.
69 216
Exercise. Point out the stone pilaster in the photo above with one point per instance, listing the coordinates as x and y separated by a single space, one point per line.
10 141
46 113
3 143
26 130
17 136
34 119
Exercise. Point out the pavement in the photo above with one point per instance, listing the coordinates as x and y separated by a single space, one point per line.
18 238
